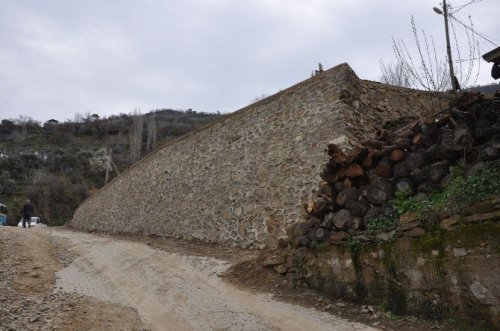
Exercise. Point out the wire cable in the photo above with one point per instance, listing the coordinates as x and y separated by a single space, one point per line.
464 5
482 35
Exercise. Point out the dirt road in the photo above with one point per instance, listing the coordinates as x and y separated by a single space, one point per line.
109 283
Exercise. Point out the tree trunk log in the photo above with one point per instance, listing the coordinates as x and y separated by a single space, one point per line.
429 128
419 140
356 223
367 162
490 152
403 143
320 234
371 174
446 138
371 214
328 221
473 155
401 170
354 170
334 150
415 160
384 135
328 176
438 171
340 173
434 153
342 219
426 187
419 175
384 168
325 190
397 155
404 185
443 121
345 195
358 207
379 191
347 183
462 138
339 186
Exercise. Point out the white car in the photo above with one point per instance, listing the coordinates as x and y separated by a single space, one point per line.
34 222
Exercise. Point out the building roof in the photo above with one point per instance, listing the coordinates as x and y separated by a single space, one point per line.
492 56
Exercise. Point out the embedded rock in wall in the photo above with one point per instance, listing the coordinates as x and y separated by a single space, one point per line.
244 178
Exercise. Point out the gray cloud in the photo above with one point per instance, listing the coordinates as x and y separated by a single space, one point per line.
59 58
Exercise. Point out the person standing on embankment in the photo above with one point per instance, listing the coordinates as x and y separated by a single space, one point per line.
27 212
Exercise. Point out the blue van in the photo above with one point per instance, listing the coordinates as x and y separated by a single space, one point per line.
3 214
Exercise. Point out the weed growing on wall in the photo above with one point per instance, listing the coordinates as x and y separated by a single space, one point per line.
380 224
460 192
353 245
473 188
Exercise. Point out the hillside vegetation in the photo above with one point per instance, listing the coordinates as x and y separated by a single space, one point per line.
58 165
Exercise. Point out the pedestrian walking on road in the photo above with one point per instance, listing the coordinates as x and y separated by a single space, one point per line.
27 212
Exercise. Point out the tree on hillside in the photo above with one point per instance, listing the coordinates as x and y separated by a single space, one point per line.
7 184
19 135
135 135
102 161
26 120
151 130
79 118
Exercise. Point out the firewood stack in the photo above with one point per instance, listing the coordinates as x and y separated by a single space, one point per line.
357 187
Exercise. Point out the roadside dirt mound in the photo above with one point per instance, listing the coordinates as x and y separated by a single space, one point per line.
28 263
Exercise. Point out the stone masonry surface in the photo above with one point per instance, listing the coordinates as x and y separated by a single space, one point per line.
243 179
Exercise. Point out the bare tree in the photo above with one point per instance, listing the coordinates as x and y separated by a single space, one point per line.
395 74
102 160
427 69
79 118
135 135
25 120
151 130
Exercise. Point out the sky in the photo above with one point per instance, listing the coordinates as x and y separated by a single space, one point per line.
62 57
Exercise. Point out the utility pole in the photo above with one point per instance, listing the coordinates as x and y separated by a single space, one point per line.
454 82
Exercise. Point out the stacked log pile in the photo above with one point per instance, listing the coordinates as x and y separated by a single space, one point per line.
357 187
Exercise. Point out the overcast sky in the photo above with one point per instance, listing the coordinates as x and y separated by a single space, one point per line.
61 57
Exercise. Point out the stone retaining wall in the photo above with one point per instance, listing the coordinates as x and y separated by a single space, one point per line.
444 274
244 178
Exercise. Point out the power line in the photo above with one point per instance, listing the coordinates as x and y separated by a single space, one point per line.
465 33
464 5
464 18
482 35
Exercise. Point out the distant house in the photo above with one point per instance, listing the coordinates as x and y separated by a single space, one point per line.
51 122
